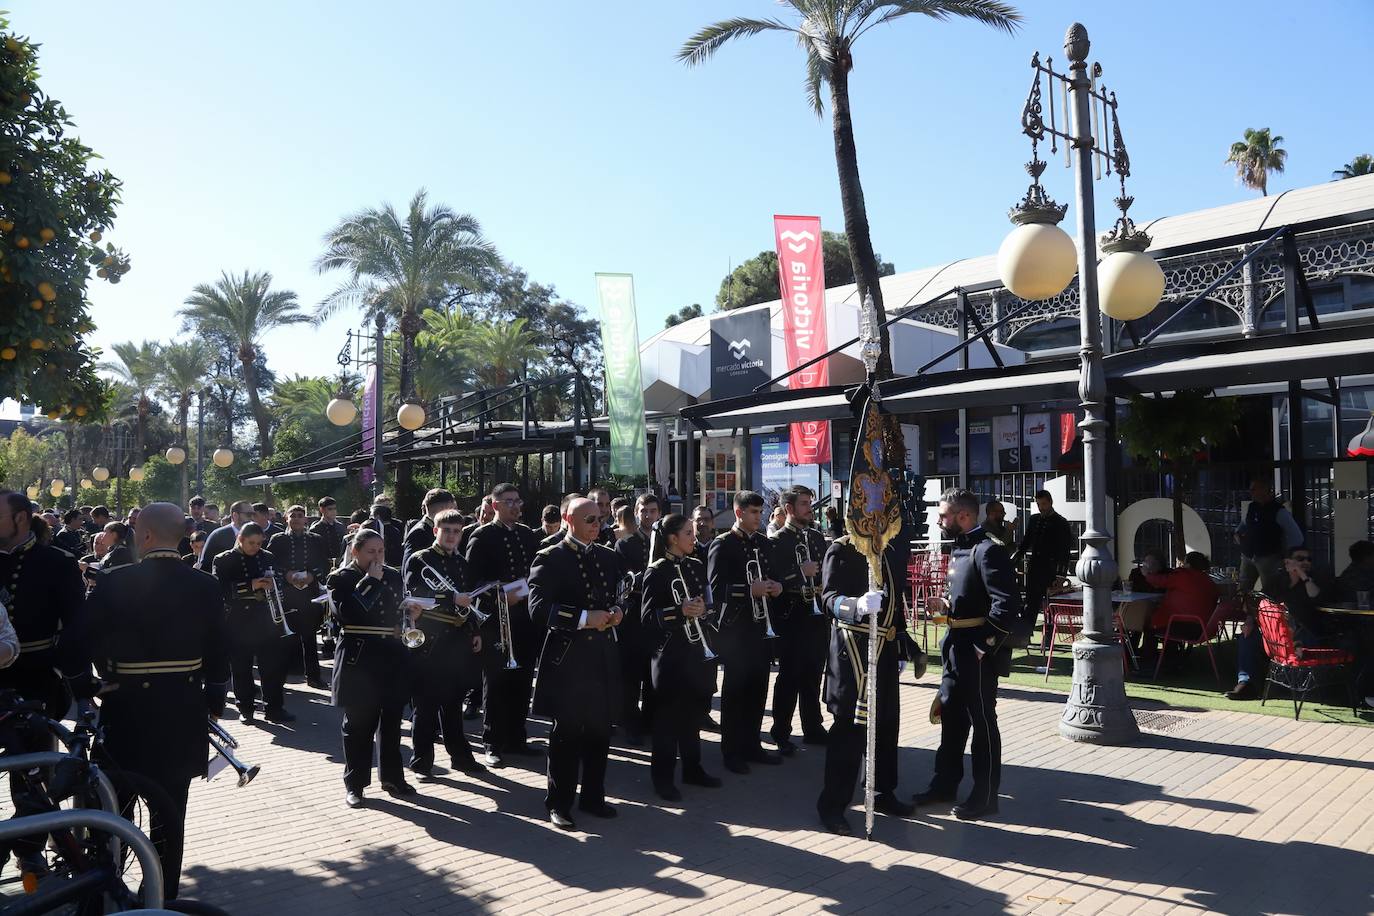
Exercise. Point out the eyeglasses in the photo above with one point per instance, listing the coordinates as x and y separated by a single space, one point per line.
591 519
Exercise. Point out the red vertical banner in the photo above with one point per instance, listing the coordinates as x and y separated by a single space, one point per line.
801 282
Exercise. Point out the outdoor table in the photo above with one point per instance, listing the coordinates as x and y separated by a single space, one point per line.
1348 608
1118 598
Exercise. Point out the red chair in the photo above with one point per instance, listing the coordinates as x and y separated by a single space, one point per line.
1065 619
1206 632
1299 670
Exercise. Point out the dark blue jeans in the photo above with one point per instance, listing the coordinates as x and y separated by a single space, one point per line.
1249 652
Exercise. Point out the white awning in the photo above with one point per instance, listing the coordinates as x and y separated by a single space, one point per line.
267 479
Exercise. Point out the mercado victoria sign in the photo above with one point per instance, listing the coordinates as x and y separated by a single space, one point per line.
741 353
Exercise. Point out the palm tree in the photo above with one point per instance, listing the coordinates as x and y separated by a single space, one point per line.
185 368
1362 164
502 350
246 307
137 367
826 34
1256 156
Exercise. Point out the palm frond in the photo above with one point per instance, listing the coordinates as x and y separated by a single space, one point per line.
1001 16
697 49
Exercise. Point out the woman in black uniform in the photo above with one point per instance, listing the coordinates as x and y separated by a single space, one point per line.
684 677
370 666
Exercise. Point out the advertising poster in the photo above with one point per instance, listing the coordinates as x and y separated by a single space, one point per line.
741 353
980 447
1038 439
1006 436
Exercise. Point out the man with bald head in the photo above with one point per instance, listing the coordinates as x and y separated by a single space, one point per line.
156 630
573 600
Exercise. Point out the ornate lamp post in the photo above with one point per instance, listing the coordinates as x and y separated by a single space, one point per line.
1034 264
341 410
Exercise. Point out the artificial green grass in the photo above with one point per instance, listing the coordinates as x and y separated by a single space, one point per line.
1191 686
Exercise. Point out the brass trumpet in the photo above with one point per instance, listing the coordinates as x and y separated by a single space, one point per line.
507 643
276 606
803 553
691 625
224 745
753 572
437 582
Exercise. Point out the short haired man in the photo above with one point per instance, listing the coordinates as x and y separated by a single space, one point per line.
71 539
304 563
329 530
246 574
602 497
485 514
226 536
264 518
421 534
551 520
562 509
703 531
983 609
742 644
1046 545
1268 534
635 677
393 538
803 630
197 507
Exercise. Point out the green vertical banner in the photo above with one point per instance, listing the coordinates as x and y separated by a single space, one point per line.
624 391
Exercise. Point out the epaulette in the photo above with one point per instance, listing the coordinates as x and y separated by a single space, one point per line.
659 562
842 539
724 534
548 551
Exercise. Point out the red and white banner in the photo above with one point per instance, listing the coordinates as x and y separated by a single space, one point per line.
801 282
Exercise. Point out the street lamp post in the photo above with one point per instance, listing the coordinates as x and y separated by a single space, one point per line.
378 467
1034 265
200 441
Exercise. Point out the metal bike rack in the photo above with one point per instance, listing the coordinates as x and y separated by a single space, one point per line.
97 820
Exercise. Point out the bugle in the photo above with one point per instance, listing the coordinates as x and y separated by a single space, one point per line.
803 553
276 606
507 644
753 572
437 582
691 625
224 744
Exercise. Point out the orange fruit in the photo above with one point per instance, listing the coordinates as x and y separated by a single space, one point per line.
36 305
95 236
37 344
47 235
102 273
51 319
21 242
6 225
5 178
45 289
8 353
80 410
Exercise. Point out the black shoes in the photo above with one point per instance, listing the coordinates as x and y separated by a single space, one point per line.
470 712
931 797
968 811
561 820
709 725
493 760
668 793
399 788
836 824
1244 690
888 803
765 757
596 809
785 746
736 765
816 738
318 683
354 798
701 778
469 766
423 771
279 716
522 749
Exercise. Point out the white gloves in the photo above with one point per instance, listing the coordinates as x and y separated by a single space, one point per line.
868 603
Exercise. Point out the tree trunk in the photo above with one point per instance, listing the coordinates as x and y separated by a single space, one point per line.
260 415
407 497
861 254
184 410
141 428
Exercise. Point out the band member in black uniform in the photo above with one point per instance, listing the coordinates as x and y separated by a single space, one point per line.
245 575
266 520
850 603
676 625
636 679
371 667
305 564
563 504
606 533
72 537
572 594
393 537
41 588
421 534
330 530
157 632
226 536
449 662
197 507
486 513
983 608
803 628
503 549
704 532
743 648
119 551
192 557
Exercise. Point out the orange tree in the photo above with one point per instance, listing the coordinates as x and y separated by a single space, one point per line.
54 208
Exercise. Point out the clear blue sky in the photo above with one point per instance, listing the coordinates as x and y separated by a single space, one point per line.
243 131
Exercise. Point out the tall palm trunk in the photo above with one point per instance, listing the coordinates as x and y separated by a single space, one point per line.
407 496
183 414
260 415
861 254
141 429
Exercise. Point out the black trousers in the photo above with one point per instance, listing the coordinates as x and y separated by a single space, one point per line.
1038 579
676 733
573 748
270 655
636 682
432 715
360 725
167 829
844 754
743 693
305 619
802 647
507 704
969 695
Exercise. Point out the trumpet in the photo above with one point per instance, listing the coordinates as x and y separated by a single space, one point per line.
224 745
276 606
437 582
753 572
507 644
803 552
411 636
691 625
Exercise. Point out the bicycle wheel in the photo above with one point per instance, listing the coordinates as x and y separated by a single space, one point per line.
148 807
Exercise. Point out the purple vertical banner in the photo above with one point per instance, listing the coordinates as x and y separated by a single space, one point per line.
369 443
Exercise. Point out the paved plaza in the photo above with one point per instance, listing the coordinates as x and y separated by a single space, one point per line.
1212 812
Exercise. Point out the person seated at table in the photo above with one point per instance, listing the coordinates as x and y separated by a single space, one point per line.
1152 563
1302 591
996 525
1188 592
1359 575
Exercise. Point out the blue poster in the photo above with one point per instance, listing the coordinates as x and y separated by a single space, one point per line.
771 472
980 447
947 447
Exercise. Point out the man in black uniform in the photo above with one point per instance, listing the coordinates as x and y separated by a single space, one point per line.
849 601
393 538
71 539
635 677
330 530
305 564
421 534
503 549
449 661
197 507
742 645
41 588
1046 543
485 513
703 532
96 521
245 575
226 536
266 520
606 533
563 504
572 590
983 610
803 629
156 630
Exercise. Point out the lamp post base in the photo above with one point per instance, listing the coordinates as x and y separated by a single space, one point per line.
1096 712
